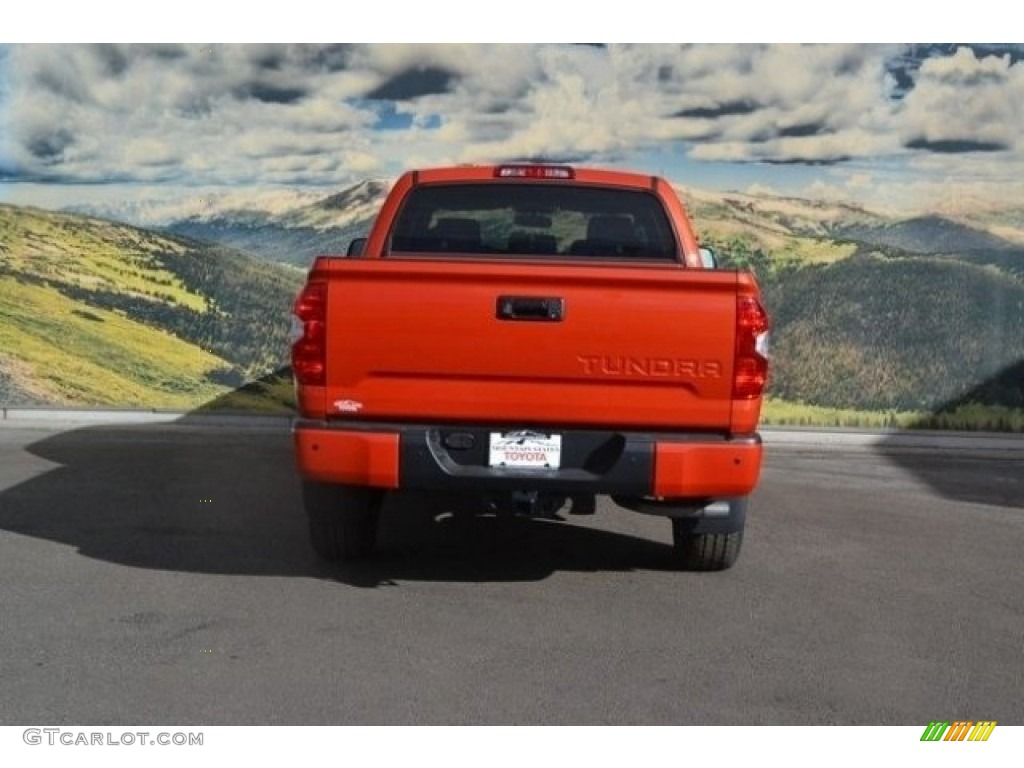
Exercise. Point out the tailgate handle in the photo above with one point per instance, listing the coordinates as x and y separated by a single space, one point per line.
549 310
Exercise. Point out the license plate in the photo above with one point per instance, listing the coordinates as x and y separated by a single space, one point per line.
526 450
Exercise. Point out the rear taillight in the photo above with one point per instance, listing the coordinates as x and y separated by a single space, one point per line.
309 351
750 371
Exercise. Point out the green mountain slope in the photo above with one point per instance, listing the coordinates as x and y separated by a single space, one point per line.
98 313
877 314
798 232
880 333
926 234
789 230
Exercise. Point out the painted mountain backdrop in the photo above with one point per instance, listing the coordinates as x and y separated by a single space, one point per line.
871 313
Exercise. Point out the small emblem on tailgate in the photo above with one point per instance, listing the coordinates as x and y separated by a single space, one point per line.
348 406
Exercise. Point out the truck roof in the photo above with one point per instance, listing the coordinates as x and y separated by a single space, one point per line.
553 172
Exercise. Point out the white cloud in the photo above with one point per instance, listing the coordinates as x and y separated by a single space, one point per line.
146 152
962 102
301 115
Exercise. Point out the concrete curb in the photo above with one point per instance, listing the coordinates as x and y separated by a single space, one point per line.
894 440
52 417
809 438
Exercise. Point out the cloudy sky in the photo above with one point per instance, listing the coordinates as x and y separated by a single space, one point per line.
897 126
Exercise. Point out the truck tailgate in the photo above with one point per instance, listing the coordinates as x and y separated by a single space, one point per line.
531 344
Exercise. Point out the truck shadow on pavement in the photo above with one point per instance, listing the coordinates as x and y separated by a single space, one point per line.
203 496
952 473
226 500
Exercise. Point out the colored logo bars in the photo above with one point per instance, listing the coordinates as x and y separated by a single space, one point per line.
959 730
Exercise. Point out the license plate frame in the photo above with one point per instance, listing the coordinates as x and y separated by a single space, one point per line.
524 449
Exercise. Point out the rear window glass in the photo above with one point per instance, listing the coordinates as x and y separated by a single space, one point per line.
517 219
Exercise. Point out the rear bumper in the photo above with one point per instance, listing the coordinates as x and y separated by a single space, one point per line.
424 457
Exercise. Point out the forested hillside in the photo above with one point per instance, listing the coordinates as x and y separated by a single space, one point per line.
887 330
94 312
880 333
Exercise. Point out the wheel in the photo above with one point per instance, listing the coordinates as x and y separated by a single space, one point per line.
702 545
342 519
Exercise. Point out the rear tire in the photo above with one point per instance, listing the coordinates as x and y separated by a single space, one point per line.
699 549
343 520
705 551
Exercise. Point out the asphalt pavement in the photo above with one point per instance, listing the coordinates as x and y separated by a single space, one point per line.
160 573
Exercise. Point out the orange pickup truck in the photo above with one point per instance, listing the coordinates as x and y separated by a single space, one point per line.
531 335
